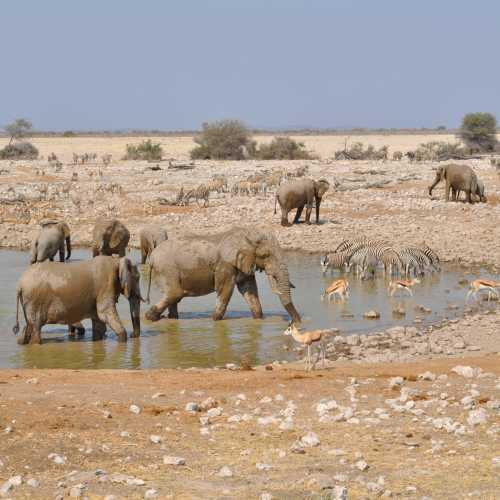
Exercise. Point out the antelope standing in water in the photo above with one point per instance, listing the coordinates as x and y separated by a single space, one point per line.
483 284
402 285
308 338
338 287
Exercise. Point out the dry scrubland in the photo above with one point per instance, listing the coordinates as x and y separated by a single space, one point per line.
263 433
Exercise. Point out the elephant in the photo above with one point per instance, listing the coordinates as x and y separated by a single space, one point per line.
55 293
300 193
50 240
457 177
109 237
198 265
150 237
479 192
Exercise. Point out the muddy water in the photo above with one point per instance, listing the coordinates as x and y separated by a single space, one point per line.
195 340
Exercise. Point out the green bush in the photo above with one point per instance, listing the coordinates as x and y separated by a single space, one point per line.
283 148
358 152
438 150
478 131
223 140
19 151
146 150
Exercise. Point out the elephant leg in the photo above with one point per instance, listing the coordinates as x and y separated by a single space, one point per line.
144 255
248 288
25 336
284 217
36 333
298 214
308 214
469 196
224 290
171 299
98 329
447 194
122 251
95 252
61 253
173 313
110 317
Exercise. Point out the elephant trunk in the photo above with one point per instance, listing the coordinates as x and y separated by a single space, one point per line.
434 184
68 247
135 314
280 284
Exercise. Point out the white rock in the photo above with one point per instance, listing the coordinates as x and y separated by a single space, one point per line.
268 420
495 461
169 460
266 496
134 409
225 472
124 434
107 414
5 488
361 465
287 424
192 407
158 395
151 493
339 493
34 483
261 466
466 371
265 400
16 480
234 419
427 376
214 412
32 381
477 417
208 403
154 438
310 439
135 481
396 381
57 459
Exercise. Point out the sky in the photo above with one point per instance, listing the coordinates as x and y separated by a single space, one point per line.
174 64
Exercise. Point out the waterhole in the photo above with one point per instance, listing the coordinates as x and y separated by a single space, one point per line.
196 340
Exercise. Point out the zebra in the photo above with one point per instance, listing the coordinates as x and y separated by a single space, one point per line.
432 256
354 244
415 259
199 193
334 260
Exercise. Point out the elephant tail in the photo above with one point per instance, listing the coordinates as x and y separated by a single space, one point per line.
34 251
275 200
19 298
149 281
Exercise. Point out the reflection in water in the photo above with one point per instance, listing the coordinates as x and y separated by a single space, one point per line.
196 340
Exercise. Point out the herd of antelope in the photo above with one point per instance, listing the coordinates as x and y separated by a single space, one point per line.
403 265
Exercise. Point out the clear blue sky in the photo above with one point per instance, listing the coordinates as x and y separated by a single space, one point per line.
172 64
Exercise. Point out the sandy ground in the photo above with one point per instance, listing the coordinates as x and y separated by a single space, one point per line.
435 438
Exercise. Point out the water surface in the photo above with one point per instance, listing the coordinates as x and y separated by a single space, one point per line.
196 340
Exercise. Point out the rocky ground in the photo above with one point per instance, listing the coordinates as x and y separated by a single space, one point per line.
414 430
387 416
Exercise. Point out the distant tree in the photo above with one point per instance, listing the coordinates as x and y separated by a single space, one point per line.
441 127
68 133
223 140
478 131
283 148
18 129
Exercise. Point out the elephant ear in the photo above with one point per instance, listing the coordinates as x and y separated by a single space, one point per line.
114 235
65 229
237 250
126 276
321 186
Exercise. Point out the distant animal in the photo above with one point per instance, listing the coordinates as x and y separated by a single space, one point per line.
483 284
338 287
50 240
199 193
109 237
402 285
457 177
299 194
150 237
307 339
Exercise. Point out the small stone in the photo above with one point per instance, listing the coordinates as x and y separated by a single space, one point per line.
371 314
134 409
208 403
427 376
495 461
466 371
32 381
266 496
57 459
310 439
339 493
76 491
395 382
5 488
151 493
16 480
158 395
155 439
477 417
263 467
214 412
192 407
225 472
169 460
107 414
34 483
361 465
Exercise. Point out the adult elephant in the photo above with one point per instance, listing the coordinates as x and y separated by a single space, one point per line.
109 237
50 240
195 266
457 178
299 194
52 293
150 237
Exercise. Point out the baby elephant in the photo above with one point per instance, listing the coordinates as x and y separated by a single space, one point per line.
51 293
50 240
150 237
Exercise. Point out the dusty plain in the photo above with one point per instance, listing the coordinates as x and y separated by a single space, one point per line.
266 433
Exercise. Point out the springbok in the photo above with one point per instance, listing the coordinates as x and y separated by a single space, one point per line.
338 287
483 284
308 338
402 285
